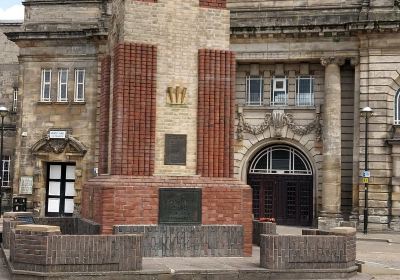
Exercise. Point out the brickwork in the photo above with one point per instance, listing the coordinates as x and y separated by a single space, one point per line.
52 252
216 113
104 114
133 124
220 4
113 200
71 225
318 250
187 241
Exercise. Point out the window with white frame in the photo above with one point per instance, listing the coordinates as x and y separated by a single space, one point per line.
305 91
279 91
79 85
397 108
45 95
6 171
15 100
254 90
62 95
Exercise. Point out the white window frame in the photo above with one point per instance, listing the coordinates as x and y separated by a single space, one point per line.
15 100
397 108
275 89
5 182
43 96
61 84
310 94
77 84
248 90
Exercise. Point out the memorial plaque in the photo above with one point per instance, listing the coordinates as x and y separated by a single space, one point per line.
175 149
180 206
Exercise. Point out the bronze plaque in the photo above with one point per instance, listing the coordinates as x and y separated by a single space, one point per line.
180 206
175 149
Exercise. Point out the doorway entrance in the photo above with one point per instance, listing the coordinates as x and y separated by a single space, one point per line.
60 189
282 182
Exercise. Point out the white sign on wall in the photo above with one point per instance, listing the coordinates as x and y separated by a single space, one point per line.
26 185
57 134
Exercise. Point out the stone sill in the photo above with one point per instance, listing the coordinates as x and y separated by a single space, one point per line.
60 103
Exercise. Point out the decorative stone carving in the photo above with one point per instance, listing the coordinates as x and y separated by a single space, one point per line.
397 4
176 95
279 119
354 61
58 146
325 61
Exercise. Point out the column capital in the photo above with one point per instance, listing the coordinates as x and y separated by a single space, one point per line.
354 61
325 61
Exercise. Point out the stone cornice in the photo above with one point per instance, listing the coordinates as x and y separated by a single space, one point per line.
59 2
55 35
322 30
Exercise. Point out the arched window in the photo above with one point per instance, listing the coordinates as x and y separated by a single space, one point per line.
280 159
397 108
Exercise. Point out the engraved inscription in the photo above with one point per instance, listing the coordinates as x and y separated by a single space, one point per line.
175 149
180 206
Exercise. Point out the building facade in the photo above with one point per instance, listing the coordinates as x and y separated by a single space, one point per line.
104 87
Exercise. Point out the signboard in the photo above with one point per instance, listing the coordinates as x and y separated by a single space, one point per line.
180 206
366 174
366 180
175 149
25 185
57 134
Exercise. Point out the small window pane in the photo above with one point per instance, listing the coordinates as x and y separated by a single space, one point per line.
55 172
69 206
280 160
70 172
299 164
54 188
70 189
254 90
53 205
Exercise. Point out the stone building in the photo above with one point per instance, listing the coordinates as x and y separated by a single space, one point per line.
9 97
112 87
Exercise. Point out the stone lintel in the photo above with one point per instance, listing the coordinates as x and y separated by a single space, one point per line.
38 228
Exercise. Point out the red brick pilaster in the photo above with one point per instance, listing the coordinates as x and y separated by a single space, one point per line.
104 114
216 113
134 109
219 4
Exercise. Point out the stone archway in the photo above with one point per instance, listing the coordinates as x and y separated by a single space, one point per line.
281 177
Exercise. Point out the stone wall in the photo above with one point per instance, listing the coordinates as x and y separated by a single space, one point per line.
313 250
38 248
262 228
187 241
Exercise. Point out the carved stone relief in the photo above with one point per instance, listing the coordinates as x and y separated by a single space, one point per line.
176 95
278 119
58 146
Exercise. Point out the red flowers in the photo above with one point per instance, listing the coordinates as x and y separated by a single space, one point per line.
271 220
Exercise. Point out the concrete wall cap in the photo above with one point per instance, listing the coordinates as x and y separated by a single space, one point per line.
16 214
38 228
344 230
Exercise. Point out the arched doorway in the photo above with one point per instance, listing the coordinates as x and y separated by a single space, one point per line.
282 181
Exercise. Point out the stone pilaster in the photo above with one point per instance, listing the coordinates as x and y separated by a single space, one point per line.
395 195
356 140
332 147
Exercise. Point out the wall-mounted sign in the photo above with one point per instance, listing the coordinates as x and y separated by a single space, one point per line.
366 174
57 134
365 180
25 185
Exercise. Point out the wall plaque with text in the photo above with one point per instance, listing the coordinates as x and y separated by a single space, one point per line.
175 149
180 206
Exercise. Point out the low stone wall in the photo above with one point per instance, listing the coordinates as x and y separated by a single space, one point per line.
9 223
316 251
42 248
262 228
188 241
71 225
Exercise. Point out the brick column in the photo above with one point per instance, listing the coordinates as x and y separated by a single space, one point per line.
216 113
104 114
332 146
134 110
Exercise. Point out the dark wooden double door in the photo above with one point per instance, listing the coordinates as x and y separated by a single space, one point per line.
287 198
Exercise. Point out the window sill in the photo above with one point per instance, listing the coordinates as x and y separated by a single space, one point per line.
287 107
61 103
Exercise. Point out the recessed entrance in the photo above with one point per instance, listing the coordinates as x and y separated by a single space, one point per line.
282 182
